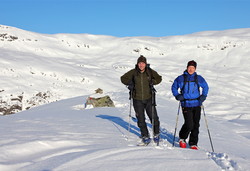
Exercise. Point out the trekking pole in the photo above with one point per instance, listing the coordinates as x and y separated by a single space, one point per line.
153 120
129 116
207 128
177 117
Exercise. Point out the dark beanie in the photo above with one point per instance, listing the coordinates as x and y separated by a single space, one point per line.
192 63
142 59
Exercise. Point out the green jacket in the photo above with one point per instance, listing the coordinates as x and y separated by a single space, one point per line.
142 81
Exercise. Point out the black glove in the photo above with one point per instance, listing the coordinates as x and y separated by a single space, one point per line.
131 85
202 98
179 97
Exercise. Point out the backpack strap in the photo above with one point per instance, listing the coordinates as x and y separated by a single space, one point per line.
197 82
150 78
149 74
151 86
185 81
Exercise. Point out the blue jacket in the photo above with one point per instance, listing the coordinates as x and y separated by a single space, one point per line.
191 91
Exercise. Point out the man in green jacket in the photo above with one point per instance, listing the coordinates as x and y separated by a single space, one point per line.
141 80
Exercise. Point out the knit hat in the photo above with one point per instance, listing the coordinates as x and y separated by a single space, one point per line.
142 59
192 63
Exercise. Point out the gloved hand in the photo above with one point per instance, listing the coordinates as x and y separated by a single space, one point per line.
202 98
131 86
179 97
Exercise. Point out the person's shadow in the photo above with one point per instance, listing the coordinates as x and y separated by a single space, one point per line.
164 134
118 121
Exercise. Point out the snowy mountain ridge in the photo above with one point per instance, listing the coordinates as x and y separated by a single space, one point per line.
62 66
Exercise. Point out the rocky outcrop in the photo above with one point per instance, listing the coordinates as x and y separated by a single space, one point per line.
99 100
14 104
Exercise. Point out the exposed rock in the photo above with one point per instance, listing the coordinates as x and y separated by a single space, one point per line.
39 99
104 101
100 91
7 37
11 106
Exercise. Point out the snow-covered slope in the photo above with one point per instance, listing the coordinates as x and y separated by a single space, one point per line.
64 136
39 68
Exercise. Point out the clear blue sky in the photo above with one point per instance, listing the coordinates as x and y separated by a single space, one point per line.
122 18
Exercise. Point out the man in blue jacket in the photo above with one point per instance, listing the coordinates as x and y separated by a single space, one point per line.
191 99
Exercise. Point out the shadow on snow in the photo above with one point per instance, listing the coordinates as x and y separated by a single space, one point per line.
117 121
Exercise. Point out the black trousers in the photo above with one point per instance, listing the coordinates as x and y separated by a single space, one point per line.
191 124
140 106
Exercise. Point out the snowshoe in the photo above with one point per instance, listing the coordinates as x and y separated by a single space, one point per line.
182 143
156 139
145 141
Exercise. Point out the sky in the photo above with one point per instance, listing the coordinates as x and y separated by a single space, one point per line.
125 18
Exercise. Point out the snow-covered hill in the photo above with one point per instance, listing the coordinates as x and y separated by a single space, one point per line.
65 65
38 69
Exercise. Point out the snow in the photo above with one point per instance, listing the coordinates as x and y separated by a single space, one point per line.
63 135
